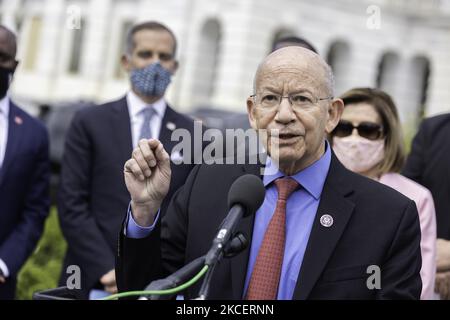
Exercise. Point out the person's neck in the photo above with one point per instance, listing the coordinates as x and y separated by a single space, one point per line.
290 168
147 99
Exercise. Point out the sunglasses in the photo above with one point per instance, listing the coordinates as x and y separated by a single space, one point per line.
368 130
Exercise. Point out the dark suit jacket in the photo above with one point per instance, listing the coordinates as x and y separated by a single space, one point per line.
24 192
92 195
373 225
429 165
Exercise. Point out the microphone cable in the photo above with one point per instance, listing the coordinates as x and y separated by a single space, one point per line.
159 292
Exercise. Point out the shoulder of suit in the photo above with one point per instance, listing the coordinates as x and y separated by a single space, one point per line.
26 119
95 110
220 171
433 130
375 193
437 122
183 120
374 201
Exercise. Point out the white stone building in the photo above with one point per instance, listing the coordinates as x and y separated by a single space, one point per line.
70 49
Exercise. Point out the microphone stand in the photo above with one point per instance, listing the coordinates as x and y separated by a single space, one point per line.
231 248
204 290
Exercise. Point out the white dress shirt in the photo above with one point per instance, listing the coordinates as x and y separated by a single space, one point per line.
4 114
135 106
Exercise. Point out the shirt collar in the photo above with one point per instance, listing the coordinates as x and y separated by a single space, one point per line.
4 107
136 105
311 178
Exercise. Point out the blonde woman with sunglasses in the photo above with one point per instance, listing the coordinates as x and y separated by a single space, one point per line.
368 141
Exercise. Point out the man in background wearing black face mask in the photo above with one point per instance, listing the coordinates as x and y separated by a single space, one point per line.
100 140
24 175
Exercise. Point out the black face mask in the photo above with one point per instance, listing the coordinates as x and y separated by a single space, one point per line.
5 79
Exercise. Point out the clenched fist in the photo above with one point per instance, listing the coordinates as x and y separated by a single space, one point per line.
147 177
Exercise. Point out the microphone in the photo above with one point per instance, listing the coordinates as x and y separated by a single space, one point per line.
245 196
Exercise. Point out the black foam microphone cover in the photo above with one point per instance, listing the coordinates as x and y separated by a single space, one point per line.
248 191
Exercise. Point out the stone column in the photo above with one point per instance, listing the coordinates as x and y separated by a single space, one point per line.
439 85
53 21
9 10
96 39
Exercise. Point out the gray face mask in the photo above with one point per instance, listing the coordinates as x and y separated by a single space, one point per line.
151 81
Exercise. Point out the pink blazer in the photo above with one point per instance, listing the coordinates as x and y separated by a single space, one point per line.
427 217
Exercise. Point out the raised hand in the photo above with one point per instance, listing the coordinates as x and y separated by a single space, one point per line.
147 177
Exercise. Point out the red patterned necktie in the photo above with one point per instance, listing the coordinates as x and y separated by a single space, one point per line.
267 269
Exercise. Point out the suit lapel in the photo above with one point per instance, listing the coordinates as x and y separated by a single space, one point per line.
16 129
168 124
122 128
323 240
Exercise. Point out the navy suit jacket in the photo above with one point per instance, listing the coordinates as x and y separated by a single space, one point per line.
428 164
24 192
93 198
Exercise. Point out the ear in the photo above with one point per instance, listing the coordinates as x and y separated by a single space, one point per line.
335 110
16 63
125 63
251 112
175 67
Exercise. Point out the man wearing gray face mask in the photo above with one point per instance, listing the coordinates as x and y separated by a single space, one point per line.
102 138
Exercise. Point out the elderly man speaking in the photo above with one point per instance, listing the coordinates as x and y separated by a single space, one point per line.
322 232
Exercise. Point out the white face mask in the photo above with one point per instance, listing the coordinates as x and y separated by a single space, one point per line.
358 154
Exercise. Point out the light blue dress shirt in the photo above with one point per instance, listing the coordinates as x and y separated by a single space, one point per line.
135 231
301 209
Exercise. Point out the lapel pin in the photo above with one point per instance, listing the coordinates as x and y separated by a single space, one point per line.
18 120
326 220
171 126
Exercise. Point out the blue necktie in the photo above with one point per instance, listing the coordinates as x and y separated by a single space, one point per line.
146 132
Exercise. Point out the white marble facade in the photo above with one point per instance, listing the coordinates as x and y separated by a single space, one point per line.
70 49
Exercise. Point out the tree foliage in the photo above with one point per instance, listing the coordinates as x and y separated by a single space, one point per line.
43 268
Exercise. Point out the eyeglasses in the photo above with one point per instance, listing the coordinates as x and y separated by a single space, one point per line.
300 101
368 130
